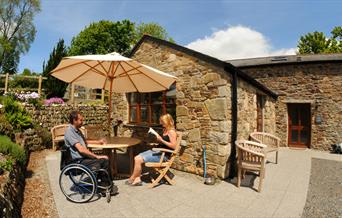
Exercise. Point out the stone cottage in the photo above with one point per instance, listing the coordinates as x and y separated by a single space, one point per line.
309 107
213 103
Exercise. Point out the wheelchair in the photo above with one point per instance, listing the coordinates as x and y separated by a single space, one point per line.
78 183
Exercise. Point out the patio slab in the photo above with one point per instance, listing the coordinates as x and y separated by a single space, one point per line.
284 193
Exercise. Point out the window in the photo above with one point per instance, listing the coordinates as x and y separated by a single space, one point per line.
146 108
260 112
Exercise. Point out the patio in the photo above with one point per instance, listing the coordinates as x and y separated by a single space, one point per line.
284 193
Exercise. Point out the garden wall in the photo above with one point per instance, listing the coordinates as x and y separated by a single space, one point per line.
12 191
50 116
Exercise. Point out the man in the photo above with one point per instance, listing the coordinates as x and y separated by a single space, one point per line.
75 140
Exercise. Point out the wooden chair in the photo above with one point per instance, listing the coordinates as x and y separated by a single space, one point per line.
163 167
57 133
272 142
250 157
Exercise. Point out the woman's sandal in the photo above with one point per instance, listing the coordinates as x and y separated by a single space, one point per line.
136 184
128 182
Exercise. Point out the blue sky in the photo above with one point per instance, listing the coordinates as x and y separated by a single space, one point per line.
227 29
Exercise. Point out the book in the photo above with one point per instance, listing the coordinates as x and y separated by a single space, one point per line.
152 131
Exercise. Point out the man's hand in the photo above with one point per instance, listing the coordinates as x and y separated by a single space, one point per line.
101 157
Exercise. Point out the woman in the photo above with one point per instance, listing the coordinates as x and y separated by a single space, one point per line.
167 140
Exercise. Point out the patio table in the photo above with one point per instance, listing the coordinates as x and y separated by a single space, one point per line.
114 143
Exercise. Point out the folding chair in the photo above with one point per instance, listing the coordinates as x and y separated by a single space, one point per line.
162 167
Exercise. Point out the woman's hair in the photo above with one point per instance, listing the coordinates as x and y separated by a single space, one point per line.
168 121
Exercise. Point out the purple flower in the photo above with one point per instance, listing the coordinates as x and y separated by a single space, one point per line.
54 100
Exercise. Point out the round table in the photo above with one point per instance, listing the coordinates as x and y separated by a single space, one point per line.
110 147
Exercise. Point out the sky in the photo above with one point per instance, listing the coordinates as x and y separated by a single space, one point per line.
225 29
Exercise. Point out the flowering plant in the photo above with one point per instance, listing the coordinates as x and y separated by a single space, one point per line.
54 100
23 97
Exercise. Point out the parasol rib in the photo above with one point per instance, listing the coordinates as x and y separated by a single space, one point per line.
130 79
103 68
149 77
96 70
71 65
84 72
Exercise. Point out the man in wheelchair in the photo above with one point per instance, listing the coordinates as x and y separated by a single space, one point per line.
76 144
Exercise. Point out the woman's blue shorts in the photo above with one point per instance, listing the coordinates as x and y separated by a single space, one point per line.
152 156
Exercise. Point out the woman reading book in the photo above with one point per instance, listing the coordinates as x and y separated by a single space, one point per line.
167 140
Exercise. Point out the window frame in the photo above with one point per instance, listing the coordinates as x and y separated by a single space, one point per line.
137 106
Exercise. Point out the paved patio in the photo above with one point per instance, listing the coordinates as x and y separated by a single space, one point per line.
284 193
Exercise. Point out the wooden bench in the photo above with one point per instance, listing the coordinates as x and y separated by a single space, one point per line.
272 142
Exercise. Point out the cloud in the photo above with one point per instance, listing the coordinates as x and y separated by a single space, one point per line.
237 42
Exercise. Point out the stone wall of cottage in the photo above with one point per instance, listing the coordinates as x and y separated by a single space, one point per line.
318 84
269 111
203 109
247 111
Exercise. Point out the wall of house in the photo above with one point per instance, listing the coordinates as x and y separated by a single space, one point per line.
269 111
316 83
203 109
247 111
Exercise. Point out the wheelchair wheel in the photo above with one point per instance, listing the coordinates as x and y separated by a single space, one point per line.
77 183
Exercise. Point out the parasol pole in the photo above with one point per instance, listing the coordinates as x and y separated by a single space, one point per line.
110 102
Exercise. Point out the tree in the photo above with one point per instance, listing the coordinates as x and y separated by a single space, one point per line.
55 87
17 31
104 37
152 29
318 43
26 72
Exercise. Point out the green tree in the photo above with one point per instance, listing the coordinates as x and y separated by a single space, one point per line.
26 72
54 87
104 37
318 43
17 31
152 29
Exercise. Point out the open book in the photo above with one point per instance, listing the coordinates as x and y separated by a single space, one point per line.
152 131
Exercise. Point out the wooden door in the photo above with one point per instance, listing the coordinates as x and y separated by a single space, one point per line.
299 131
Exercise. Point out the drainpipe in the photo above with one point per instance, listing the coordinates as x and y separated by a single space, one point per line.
232 158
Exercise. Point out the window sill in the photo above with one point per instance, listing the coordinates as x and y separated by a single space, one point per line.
133 125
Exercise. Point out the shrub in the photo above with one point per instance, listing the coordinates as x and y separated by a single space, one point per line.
5 127
16 115
7 164
36 102
8 147
45 135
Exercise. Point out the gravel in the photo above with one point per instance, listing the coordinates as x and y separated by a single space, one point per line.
38 197
324 198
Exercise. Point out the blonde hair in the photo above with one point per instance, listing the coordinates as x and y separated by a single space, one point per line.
168 121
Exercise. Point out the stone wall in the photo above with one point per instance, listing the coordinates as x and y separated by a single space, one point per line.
203 108
247 111
12 192
50 116
269 112
318 84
